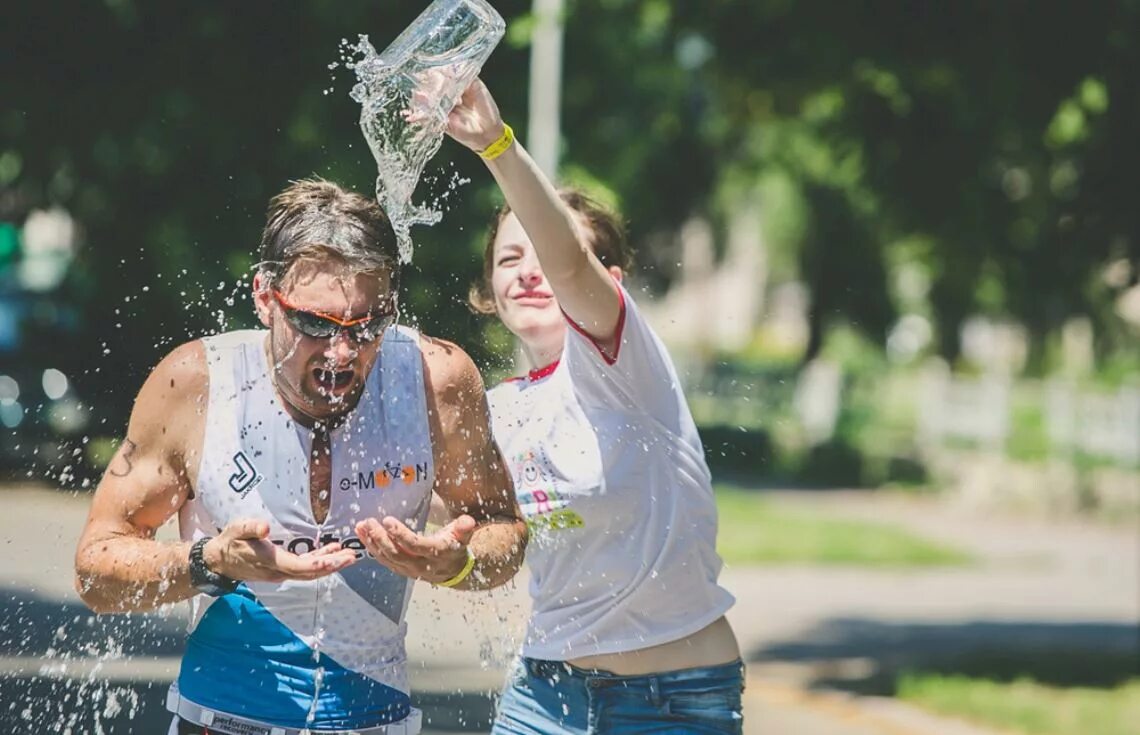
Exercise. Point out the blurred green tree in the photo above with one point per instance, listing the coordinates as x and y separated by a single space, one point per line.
998 134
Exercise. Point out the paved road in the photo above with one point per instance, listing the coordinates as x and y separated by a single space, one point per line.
1040 588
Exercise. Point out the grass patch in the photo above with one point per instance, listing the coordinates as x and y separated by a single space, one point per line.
1026 706
756 531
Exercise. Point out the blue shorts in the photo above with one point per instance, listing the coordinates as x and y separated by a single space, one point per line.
543 697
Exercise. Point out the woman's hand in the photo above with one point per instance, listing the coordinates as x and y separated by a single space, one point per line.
475 121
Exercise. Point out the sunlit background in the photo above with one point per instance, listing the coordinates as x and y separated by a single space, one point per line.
894 248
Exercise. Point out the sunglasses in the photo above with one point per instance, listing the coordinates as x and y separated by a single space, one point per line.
323 326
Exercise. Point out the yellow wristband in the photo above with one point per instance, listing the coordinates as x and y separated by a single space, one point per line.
466 570
496 149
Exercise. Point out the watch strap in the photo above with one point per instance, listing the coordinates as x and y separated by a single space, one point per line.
204 580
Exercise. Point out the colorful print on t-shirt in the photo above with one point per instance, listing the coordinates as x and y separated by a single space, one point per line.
536 487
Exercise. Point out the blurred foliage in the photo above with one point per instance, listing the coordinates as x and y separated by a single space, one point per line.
757 530
1120 368
875 440
1028 438
764 352
991 163
1027 705
949 122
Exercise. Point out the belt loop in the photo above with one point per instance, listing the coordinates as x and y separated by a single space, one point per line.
654 692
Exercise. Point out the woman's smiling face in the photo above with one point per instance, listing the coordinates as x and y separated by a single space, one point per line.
523 298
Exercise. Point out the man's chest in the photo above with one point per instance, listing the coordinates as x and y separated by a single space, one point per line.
274 476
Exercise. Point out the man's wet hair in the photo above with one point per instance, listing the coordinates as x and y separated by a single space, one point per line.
314 219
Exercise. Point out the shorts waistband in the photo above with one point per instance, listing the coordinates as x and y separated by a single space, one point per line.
599 678
227 724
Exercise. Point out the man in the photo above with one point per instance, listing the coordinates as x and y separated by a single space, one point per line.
301 462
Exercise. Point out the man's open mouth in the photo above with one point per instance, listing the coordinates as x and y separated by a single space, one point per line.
332 381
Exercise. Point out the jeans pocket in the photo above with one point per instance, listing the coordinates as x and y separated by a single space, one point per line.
719 710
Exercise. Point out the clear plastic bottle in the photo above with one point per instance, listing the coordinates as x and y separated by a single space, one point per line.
424 71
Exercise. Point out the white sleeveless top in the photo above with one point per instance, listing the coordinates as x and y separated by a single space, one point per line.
611 476
327 653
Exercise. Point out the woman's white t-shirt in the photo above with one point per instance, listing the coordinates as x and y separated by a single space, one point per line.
611 476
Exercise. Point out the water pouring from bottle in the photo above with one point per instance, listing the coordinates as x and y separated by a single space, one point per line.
406 93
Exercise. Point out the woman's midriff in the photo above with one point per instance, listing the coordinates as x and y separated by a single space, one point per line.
712 645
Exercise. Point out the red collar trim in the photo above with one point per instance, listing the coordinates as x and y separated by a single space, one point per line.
537 374
542 372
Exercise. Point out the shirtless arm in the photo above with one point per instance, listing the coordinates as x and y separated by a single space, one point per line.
119 565
471 480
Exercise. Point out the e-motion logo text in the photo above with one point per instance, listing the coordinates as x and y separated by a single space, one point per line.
385 476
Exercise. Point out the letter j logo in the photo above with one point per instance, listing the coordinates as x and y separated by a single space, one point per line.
246 476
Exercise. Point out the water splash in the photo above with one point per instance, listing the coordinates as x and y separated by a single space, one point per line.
401 149
406 93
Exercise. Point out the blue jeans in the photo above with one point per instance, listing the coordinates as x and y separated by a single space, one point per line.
546 697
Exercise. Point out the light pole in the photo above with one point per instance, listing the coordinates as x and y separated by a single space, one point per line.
545 85
544 101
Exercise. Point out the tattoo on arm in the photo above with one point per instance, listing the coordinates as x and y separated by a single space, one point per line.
123 468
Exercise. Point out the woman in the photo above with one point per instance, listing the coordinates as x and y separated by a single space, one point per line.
628 631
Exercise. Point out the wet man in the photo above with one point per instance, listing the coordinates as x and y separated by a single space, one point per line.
301 460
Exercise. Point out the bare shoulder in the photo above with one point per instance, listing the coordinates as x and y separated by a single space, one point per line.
180 376
172 401
154 469
457 404
186 362
448 368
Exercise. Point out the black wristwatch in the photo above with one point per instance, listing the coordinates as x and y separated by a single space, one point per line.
205 581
